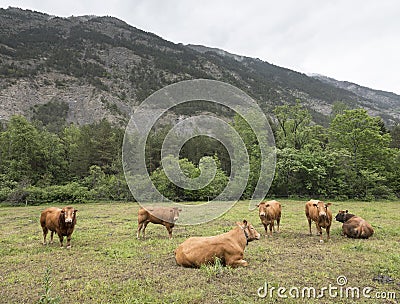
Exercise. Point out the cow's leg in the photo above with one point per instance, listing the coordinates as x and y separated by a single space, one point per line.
45 231
144 228
309 224
319 229
278 220
169 228
235 261
327 232
271 225
238 263
140 225
61 237
266 229
234 257
51 237
69 241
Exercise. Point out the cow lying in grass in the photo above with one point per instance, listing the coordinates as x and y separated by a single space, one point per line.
61 221
269 212
228 247
319 212
354 226
166 216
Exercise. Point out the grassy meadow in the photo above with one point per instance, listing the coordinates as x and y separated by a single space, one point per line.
107 264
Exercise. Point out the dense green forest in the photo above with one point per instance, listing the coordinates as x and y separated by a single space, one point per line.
355 157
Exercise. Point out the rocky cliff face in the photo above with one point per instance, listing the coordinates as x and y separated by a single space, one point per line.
102 67
379 103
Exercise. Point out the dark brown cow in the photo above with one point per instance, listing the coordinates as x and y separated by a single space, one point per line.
166 216
229 247
61 221
269 212
354 226
319 212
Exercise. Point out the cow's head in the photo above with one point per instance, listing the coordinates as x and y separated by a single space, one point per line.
175 211
249 231
322 208
342 216
262 208
68 214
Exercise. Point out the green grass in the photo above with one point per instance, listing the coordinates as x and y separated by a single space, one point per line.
107 264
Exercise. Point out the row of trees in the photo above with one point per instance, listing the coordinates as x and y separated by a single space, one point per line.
355 157
74 165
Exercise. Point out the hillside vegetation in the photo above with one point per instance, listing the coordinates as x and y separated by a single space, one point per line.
101 67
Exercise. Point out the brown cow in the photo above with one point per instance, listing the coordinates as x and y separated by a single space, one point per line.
354 226
229 247
319 212
268 213
62 221
166 216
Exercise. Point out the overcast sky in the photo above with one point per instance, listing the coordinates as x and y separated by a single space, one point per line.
353 40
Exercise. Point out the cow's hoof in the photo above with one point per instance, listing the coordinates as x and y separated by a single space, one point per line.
321 241
44 244
69 247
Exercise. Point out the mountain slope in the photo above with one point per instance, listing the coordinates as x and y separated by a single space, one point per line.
101 67
384 104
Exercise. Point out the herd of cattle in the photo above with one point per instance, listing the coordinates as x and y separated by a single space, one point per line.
228 247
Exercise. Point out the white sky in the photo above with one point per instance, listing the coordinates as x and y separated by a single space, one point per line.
353 40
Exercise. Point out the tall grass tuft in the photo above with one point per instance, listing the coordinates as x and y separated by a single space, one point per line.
213 270
45 297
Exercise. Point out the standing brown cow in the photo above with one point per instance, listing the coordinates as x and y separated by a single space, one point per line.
319 212
354 226
62 221
166 216
229 247
268 213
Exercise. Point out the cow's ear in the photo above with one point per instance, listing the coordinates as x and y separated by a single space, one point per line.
179 210
63 210
315 205
328 204
75 210
267 205
258 205
347 211
245 222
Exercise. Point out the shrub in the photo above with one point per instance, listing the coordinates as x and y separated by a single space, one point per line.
71 193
